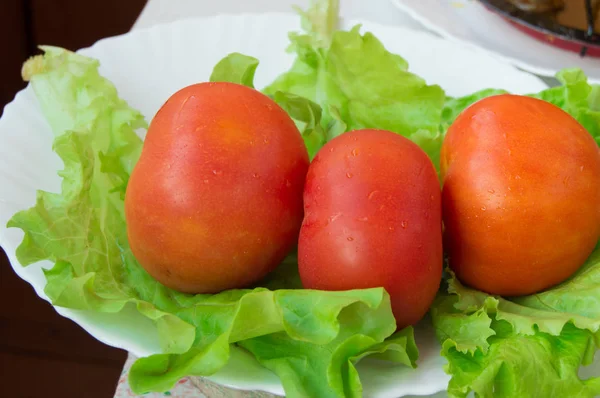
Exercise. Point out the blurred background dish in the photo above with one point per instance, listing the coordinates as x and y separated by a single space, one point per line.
572 25
539 36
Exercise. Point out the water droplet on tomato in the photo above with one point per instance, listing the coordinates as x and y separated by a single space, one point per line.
404 224
349 175
372 195
355 152
350 239
333 218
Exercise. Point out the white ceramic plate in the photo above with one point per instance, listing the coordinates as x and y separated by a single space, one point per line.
149 65
469 22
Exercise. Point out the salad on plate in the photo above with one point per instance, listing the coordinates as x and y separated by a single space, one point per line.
314 222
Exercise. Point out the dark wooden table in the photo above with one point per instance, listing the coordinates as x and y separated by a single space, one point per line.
45 355
41 353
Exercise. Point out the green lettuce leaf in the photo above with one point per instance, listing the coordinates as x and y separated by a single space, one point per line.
297 364
299 318
235 68
485 337
516 365
577 97
359 84
319 23
82 228
82 231
307 116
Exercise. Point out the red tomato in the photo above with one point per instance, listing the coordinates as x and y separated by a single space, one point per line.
521 195
372 217
215 201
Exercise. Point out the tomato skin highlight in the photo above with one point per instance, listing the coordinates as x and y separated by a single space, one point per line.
215 201
521 195
372 217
